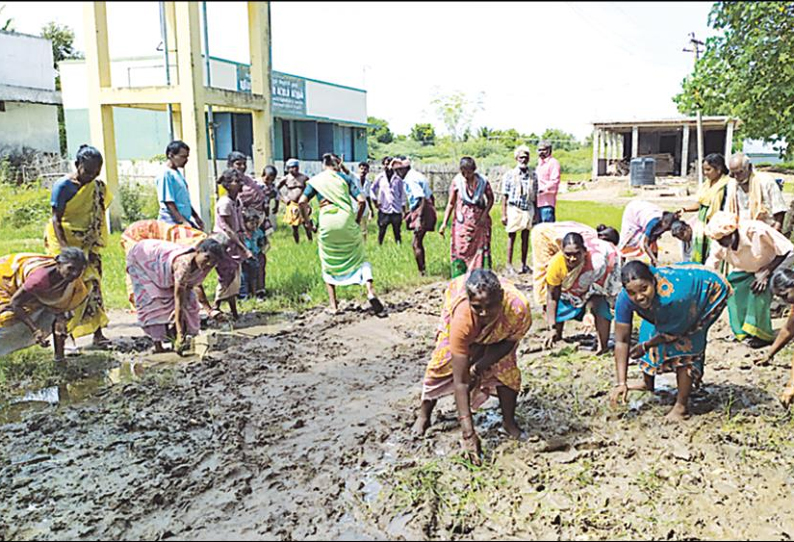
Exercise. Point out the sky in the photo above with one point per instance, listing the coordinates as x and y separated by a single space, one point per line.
539 65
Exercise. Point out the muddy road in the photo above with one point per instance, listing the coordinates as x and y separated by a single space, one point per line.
301 431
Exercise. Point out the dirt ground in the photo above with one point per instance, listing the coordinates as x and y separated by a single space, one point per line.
299 429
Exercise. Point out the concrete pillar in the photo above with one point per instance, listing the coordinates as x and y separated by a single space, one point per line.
596 133
192 104
100 116
685 152
635 141
259 38
729 140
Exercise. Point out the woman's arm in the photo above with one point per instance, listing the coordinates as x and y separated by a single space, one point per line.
622 339
783 338
19 301
492 354
691 208
646 248
453 197
552 300
461 379
57 226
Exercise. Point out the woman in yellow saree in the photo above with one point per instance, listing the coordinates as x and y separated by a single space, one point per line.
36 291
78 220
717 193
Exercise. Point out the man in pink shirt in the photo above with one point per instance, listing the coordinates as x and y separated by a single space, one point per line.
548 172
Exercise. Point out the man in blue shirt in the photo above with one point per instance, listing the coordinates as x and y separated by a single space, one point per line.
421 216
172 189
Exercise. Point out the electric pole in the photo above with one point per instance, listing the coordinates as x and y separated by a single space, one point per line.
696 48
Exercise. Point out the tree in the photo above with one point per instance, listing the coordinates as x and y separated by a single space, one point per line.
561 140
62 38
456 112
748 70
379 130
8 24
424 133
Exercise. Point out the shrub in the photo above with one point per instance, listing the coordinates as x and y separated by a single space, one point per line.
138 201
20 207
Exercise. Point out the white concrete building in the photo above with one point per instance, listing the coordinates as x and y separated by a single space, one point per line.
28 99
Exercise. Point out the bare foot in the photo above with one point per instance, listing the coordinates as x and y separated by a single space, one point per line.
679 413
420 426
514 430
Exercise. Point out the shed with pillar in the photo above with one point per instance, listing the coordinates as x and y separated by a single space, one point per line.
672 142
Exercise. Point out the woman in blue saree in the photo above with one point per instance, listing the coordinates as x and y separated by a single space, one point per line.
678 304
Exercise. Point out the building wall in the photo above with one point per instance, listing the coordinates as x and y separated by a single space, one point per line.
140 134
26 61
329 101
29 125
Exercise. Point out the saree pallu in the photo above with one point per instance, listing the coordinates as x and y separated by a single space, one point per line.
85 227
292 214
161 231
720 196
689 299
546 240
14 270
471 230
749 312
512 324
153 267
340 243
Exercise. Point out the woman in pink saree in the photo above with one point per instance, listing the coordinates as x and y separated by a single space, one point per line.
165 281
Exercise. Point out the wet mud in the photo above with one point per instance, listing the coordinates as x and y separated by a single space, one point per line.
300 429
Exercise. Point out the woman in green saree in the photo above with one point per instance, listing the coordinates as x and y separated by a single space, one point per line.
341 244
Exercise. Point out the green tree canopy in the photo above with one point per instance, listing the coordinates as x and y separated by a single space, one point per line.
424 133
560 139
748 70
379 130
62 38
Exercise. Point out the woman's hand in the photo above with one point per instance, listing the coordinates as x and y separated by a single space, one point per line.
472 448
41 338
218 316
621 391
248 254
442 229
475 377
504 220
638 351
550 339
760 283
788 394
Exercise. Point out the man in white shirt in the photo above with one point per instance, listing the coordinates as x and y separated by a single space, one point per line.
758 194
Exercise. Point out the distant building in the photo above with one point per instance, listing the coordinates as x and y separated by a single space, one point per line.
672 142
28 99
310 117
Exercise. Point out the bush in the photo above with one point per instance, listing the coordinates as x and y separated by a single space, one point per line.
138 201
20 207
12 160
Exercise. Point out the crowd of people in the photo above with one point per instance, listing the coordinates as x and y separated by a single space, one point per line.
732 255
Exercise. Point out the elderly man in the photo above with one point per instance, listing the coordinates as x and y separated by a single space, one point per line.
388 191
758 195
519 196
295 183
754 249
548 172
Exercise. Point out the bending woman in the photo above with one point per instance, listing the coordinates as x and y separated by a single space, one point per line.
340 243
471 199
678 304
582 276
546 239
165 281
36 294
642 226
78 220
482 321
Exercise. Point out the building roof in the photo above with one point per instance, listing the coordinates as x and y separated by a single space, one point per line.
12 93
710 121
13 33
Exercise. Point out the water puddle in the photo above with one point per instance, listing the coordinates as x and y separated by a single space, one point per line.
68 393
